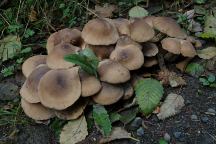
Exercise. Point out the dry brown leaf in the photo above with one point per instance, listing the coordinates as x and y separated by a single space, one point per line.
207 53
105 11
171 106
163 76
74 131
175 80
32 15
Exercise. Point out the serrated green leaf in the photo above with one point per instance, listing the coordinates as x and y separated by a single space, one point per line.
194 69
138 12
101 118
128 115
148 93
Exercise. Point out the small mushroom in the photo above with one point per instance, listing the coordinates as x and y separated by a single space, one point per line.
122 26
55 59
151 61
100 32
29 90
149 20
59 89
31 63
36 111
172 45
90 84
149 49
197 43
183 64
169 26
140 31
187 49
113 72
128 91
109 94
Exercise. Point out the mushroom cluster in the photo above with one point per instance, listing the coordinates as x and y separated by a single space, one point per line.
55 87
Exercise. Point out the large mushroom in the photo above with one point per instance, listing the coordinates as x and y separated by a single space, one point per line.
122 25
149 49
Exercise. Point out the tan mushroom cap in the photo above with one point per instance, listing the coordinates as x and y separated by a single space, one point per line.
130 56
128 91
140 31
31 63
72 36
59 89
90 84
149 20
74 111
36 111
169 26
55 59
113 72
149 49
122 26
109 94
29 90
100 32
172 45
149 62
125 41
187 49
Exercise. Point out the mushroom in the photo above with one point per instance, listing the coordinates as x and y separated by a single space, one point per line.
109 94
36 111
31 63
100 32
72 36
122 26
29 90
172 45
128 91
55 60
149 20
169 26
149 49
128 54
59 89
151 61
74 111
113 72
140 31
187 49
90 84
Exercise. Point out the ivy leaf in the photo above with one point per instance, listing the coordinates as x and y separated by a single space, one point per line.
101 118
86 59
194 69
138 12
148 93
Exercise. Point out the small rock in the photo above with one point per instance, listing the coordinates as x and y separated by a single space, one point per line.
167 137
140 131
188 102
204 119
210 110
194 117
177 135
137 122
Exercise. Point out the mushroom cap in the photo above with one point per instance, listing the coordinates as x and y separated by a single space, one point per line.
100 32
74 111
122 26
72 36
128 91
130 56
149 62
140 31
169 26
149 49
31 63
36 111
113 72
109 94
29 90
187 49
172 45
149 20
59 89
124 41
55 60
90 84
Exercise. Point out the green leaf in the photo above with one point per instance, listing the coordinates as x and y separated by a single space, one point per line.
148 93
114 116
101 118
138 12
10 46
194 69
213 85
210 27
211 78
199 1
204 81
163 141
207 53
128 115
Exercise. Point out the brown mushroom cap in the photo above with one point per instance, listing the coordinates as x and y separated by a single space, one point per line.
29 90
169 26
109 94
122 26
113 72
140 31
172 45
187 49
72 36
100 32
31 63
74 111
149 62
125 41
59 89
128 91
149 20
90 84
55 59
36 111
149 49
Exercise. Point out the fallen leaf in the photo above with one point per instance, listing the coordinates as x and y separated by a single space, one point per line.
195 69
183 64
74 131
175 80
138 12
128 115
207 53
32 15
105 11
171 106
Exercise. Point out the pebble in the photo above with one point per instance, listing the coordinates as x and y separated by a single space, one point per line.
140 131
204 119
211 110
188 102
137 122
167 137
177 135
194 117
